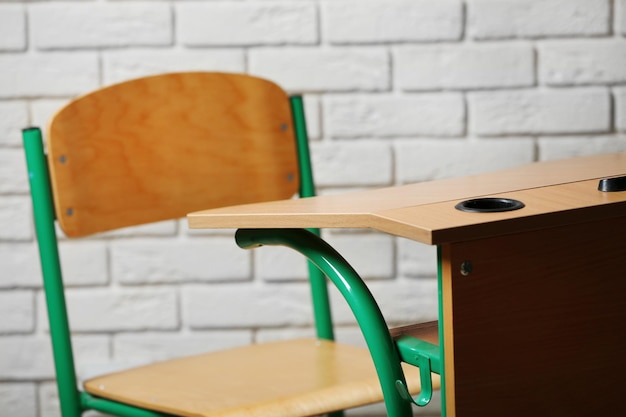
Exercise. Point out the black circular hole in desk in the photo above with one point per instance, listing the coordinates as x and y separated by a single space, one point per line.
489 205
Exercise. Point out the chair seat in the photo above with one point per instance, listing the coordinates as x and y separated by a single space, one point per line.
285 378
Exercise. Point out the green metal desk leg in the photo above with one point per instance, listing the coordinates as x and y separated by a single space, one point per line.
441 328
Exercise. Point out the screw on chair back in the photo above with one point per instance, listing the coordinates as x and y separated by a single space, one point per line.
157 148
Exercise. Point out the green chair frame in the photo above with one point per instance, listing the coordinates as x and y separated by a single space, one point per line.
324 262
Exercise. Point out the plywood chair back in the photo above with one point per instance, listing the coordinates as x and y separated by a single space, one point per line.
159 147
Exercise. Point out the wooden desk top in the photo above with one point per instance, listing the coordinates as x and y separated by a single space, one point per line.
555 193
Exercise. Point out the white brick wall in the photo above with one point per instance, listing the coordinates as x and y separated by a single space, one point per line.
18 268
428 159
15 218
620 108
555 111
588 61
494 19
492 65
110 310
343 164
14 118
18 399
17 311
143 262
398 21
12 27
48 74
257 23
396 91
100 25
393 115
337 69
120 65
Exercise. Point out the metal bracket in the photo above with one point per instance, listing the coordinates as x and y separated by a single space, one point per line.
426 357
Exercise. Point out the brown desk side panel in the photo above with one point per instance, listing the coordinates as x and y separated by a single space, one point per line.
540 323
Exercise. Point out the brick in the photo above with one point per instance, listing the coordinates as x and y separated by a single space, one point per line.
18 399
15 218
493 19
232 23
400 301
26 357
464 66
41 111
94 357
12 27
14 118
343 164
154 346
20 266
416 259
312 113
397 21
276 263
619 95
395 116
620 8
372 255
247 305
570 147
540 111
17 311
91 352
84 263
30 357
127 64
13 172
113 309
152 261
100 25
427 160
65 74
336 69
48 397
588 61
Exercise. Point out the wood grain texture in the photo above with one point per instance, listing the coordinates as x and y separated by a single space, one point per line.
428 332
549 206
425 212
539 323
159 147
280 379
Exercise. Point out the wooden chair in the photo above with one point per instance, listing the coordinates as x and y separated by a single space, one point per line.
157 148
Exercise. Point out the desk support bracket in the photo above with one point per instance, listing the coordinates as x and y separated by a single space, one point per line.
424 355
357 295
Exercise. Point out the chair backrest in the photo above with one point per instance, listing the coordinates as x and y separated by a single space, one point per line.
159 147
